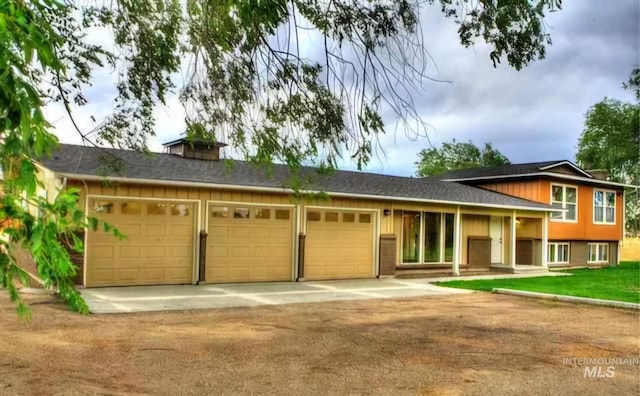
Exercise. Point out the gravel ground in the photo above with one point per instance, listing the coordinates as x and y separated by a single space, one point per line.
464 344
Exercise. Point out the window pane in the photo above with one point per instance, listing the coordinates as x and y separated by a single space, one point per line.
157 208
364 218
219 212
448 237
571 212
599 214
130 208
598 198
563 253
179 209
313 216
556 192
611 199
283 214
410 237
348 217
263 213
241 213
592 252
603 252
551 253
571 195
331 217
432 239
611 215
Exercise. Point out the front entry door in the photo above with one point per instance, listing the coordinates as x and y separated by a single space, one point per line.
495 232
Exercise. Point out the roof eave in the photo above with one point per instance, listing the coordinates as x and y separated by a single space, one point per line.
566 162
288 190
547 174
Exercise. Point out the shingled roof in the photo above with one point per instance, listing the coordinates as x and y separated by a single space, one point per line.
499 170
86 162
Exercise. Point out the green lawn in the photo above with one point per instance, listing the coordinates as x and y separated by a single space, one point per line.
620 283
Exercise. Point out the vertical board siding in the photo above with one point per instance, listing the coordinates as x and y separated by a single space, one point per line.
472 225
524 189
584 228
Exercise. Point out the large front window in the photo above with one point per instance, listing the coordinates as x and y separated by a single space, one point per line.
604 207
564 197
427 237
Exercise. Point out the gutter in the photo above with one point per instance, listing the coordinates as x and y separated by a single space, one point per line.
288 190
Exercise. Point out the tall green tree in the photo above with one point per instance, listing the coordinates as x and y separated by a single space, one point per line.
247 82
611 141
457 155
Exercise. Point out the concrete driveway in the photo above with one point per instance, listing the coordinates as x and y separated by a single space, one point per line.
167 298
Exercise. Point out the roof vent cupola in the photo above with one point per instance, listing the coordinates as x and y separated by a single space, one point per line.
195 148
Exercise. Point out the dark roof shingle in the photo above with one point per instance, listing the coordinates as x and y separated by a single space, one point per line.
500 170
92 161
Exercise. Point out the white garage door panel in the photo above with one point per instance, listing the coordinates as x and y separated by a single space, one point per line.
249 243
159 244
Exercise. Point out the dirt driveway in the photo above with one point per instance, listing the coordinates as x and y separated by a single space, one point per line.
463 344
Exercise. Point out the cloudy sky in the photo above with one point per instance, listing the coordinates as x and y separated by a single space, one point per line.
534 114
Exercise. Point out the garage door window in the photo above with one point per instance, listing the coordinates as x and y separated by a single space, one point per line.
241 213
102 207
179 210
313 216
219 212
364 218
283 214
130 208
331 217
263 213
159 208
348 217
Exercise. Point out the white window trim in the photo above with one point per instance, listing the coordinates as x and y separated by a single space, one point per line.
597 245
554 260
564 189
604 206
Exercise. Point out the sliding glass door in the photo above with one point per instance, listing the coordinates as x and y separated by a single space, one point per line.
432 240
410 237
427 237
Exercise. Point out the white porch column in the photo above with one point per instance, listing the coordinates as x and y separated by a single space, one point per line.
545 239
512 240
457 242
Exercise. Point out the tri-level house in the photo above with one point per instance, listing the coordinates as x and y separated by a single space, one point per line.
190 218
589 229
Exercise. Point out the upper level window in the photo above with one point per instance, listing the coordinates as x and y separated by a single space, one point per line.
604 207
565 197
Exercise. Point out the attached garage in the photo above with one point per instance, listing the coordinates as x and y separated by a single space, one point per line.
159 244
339 244
249 243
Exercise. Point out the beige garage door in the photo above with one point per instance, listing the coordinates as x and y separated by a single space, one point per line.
249 243
159 244
339 245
